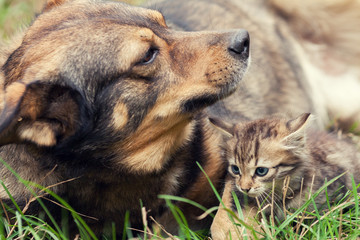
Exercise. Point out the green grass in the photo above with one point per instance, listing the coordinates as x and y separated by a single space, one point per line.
339 221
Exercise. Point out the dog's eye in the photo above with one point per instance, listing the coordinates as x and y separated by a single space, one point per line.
149 56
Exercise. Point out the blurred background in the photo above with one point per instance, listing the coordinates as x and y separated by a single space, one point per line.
17 14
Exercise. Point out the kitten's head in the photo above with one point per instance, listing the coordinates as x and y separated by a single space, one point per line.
262 150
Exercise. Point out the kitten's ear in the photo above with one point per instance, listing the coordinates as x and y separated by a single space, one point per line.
298 123
297 131
224 127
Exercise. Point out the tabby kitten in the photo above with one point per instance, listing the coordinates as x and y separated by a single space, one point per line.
284 156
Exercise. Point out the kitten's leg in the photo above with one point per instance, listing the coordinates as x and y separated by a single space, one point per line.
222 227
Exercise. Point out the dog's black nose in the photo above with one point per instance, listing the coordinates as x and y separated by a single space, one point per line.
240 44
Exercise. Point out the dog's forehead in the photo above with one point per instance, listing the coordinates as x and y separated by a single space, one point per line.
145 14
89 10
83 38
78 15
128 14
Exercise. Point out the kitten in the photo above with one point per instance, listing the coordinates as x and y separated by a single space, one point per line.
263 154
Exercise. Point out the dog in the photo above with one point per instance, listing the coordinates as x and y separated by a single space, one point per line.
102 106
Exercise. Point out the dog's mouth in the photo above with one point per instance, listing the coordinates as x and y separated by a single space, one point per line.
223 77
200 102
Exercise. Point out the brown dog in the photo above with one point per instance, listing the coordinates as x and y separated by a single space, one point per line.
107 95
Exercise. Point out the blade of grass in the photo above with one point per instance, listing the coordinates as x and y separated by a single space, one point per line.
241 216
127 232
19 223
211 184
356 197
185 200
2 224
10 196
113 231
179 218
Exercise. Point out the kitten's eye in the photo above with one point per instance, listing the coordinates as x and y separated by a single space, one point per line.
235 169
149 56
261 171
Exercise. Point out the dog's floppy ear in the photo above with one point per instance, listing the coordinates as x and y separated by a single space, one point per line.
39 112
53 3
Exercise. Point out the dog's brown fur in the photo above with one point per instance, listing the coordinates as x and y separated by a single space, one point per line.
107 95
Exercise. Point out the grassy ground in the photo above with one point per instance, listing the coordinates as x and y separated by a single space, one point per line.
334 221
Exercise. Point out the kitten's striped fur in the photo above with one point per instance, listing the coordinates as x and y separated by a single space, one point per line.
261 154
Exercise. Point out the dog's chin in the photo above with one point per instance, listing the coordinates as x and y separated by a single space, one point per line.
198 103
229 89
231 86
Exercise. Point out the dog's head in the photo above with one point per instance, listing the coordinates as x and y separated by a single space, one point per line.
113 79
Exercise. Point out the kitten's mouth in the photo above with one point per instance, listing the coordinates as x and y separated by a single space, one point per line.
253 195
249 194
